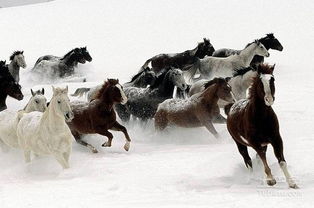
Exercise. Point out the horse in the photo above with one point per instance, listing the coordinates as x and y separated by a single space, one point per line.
17 60
180 60
240 82
143 102
269 41
47 133
98 116
61 67
199 110
141 79
253 123
8 86
9 119
210 67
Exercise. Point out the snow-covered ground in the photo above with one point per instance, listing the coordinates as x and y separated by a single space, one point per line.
11 3
180 167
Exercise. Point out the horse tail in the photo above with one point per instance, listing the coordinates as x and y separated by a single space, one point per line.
190 70
79 92
145 65
227 108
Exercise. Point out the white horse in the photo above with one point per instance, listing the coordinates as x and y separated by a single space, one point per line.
239 83
210 67
9 119
47 133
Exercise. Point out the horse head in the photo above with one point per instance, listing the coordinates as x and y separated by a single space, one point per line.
112 90
18 58
38 101
60 103
273 42
78 55
265 84
223 91
8 84
86 54
176 77
260 49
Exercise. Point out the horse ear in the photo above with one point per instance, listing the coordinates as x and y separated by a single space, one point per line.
193 52
22 52
32 92
43 91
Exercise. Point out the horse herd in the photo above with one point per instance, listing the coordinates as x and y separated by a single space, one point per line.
186 89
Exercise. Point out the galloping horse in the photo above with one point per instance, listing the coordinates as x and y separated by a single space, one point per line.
17 60
180 60
61 67
210 67
8 86
252 122
199 110
9 119
98 116
269 41
47 133
141 79
143 102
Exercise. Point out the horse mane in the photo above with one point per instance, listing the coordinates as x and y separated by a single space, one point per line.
214 81
242 71
15 53
160 78
257 41
68 53
137 75
105 86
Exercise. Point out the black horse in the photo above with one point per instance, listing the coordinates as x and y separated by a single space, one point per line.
269 41
62 66
8 86
180 60
143 102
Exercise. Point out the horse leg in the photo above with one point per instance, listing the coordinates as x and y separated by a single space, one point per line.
78 139
243 151
60 158
161 121
66 155
262 153
107 134
219 119
210 127
27 156
118 127
278 150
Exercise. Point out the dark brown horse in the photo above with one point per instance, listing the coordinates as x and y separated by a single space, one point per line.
199 110
252 122
180 60
99 116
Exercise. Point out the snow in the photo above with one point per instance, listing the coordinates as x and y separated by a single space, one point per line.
182 167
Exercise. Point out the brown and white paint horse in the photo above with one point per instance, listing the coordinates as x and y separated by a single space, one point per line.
252 122
98 116
199 110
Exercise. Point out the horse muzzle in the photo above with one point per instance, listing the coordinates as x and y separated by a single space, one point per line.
269 101
267 54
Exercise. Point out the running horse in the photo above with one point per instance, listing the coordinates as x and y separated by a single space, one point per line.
252 122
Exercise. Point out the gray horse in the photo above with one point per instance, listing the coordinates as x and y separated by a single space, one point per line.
17 60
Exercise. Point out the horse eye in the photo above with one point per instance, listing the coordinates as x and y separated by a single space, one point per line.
59 101
36 101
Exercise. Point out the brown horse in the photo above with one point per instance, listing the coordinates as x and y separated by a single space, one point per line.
99 116
199 110
252 122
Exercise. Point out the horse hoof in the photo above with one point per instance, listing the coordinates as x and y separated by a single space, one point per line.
271 182
294 186
94 150
106 144
127 146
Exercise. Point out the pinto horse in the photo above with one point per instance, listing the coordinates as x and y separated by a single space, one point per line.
98 116
252 122
199 110
180 60
269 41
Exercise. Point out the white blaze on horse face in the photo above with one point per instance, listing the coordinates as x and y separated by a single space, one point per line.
20 60
124 98
268 98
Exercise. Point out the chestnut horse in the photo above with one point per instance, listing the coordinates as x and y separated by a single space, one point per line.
98 116
199 110
252 122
